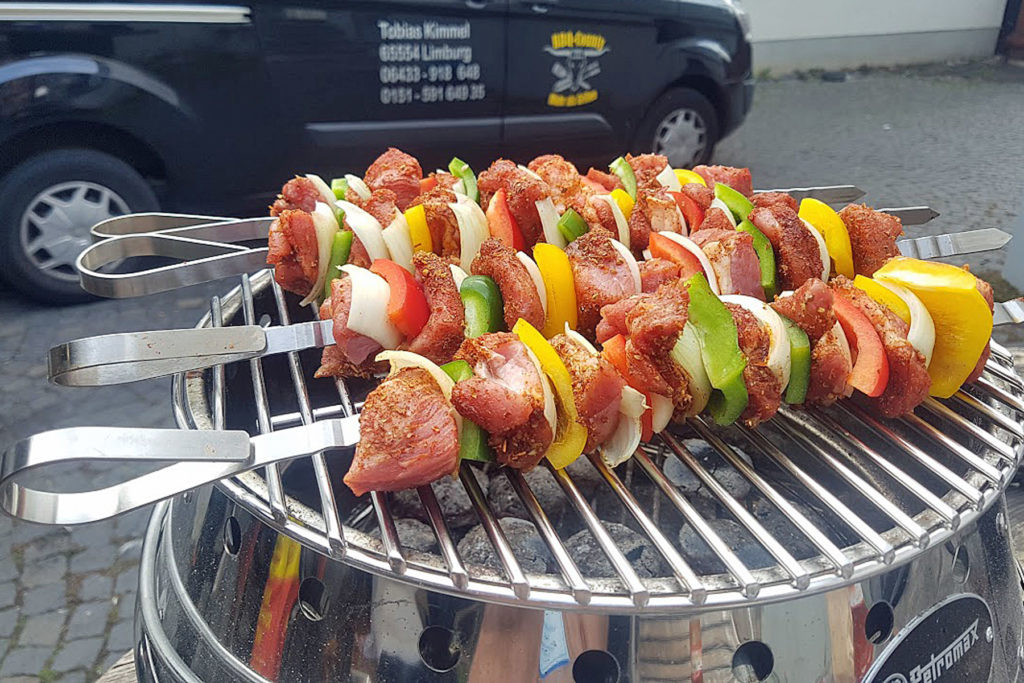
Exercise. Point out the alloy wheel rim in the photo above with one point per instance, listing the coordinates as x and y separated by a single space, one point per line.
55 226
682 136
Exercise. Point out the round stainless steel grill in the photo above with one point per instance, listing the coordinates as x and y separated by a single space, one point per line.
837 496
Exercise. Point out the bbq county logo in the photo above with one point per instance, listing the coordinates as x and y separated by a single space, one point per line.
576 62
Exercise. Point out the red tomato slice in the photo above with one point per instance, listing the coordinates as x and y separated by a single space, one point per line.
871 367
666 248
407 308
502 224
614 351
690 209
427 184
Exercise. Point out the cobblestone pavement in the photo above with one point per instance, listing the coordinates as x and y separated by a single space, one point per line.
67 595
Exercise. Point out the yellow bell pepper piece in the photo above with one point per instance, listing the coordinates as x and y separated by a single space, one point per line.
686 176
624 201
884 296
561 288
416 217
963 322
570 436
831 226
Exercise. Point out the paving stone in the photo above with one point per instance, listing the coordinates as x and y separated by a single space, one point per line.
44 629
88 619
95 587
8 620
125 606
94 558
122 637
48 546
8 570
46 572
45 599
78 654
25 661
128 581
76 677
8 591
20 679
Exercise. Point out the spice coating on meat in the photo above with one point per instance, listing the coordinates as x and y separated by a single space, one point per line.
654 272
701 194
872 237
398 172
646 168
654 211
737 178
352 354
522 191
601 277
298 194
445 329
293 251
596 389
518 292
770 198
986 292
606 181
732 257
441 221
563 180
797 255
715 219
810 307
505 397
764 392
407 435
909 381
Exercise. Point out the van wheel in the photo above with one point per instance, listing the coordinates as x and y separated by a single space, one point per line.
682 125
48 205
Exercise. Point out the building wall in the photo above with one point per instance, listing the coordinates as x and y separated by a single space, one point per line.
831 34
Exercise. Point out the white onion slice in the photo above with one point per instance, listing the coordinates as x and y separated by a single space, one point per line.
326 193
826 260
922 328
661 412
473 230
669 179
581 340
358 185
717 203
549 219
458 274
624 441
687 229
844 347
325 226
779 359
550 413
459 187
686 354
692 247
538 281
366 313
621 224
366 228
407 359
399 241
634 267
526 170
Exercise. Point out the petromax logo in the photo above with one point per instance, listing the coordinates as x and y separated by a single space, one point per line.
941 663
576 54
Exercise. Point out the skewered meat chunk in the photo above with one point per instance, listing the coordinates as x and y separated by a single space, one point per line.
732 256
654 272
830 370
398 172
596 389
654 211
810 307
601 277
798 258
770 198
699 193
352 354
606 181
872 235
737 178
522 190
298 194
292 250
445 329
407 435
646 168
764 391
563 180
505 397
518 292
715 219
441 221
909 381
986 291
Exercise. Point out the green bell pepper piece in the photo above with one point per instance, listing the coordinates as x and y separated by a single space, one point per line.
472 439
340 248
720 349
624 171
799 363
737 203
485 311
460 169
765 257
339 186
572 225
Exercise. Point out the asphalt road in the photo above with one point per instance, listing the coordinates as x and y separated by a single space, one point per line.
951 138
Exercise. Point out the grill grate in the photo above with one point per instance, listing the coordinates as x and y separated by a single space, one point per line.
861 494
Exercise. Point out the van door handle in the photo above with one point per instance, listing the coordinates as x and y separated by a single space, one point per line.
476 4
540 9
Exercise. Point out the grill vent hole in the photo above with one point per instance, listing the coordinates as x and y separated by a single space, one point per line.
595 666
961 565
232 536
752 662
878 623
439 648
313 600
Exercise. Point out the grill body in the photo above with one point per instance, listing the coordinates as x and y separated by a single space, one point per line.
208 565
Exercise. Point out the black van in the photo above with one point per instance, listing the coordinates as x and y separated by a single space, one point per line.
116 107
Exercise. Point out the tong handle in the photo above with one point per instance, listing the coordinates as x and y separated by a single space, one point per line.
203 457
134 356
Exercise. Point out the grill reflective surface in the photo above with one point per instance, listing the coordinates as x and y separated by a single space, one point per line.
705 518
